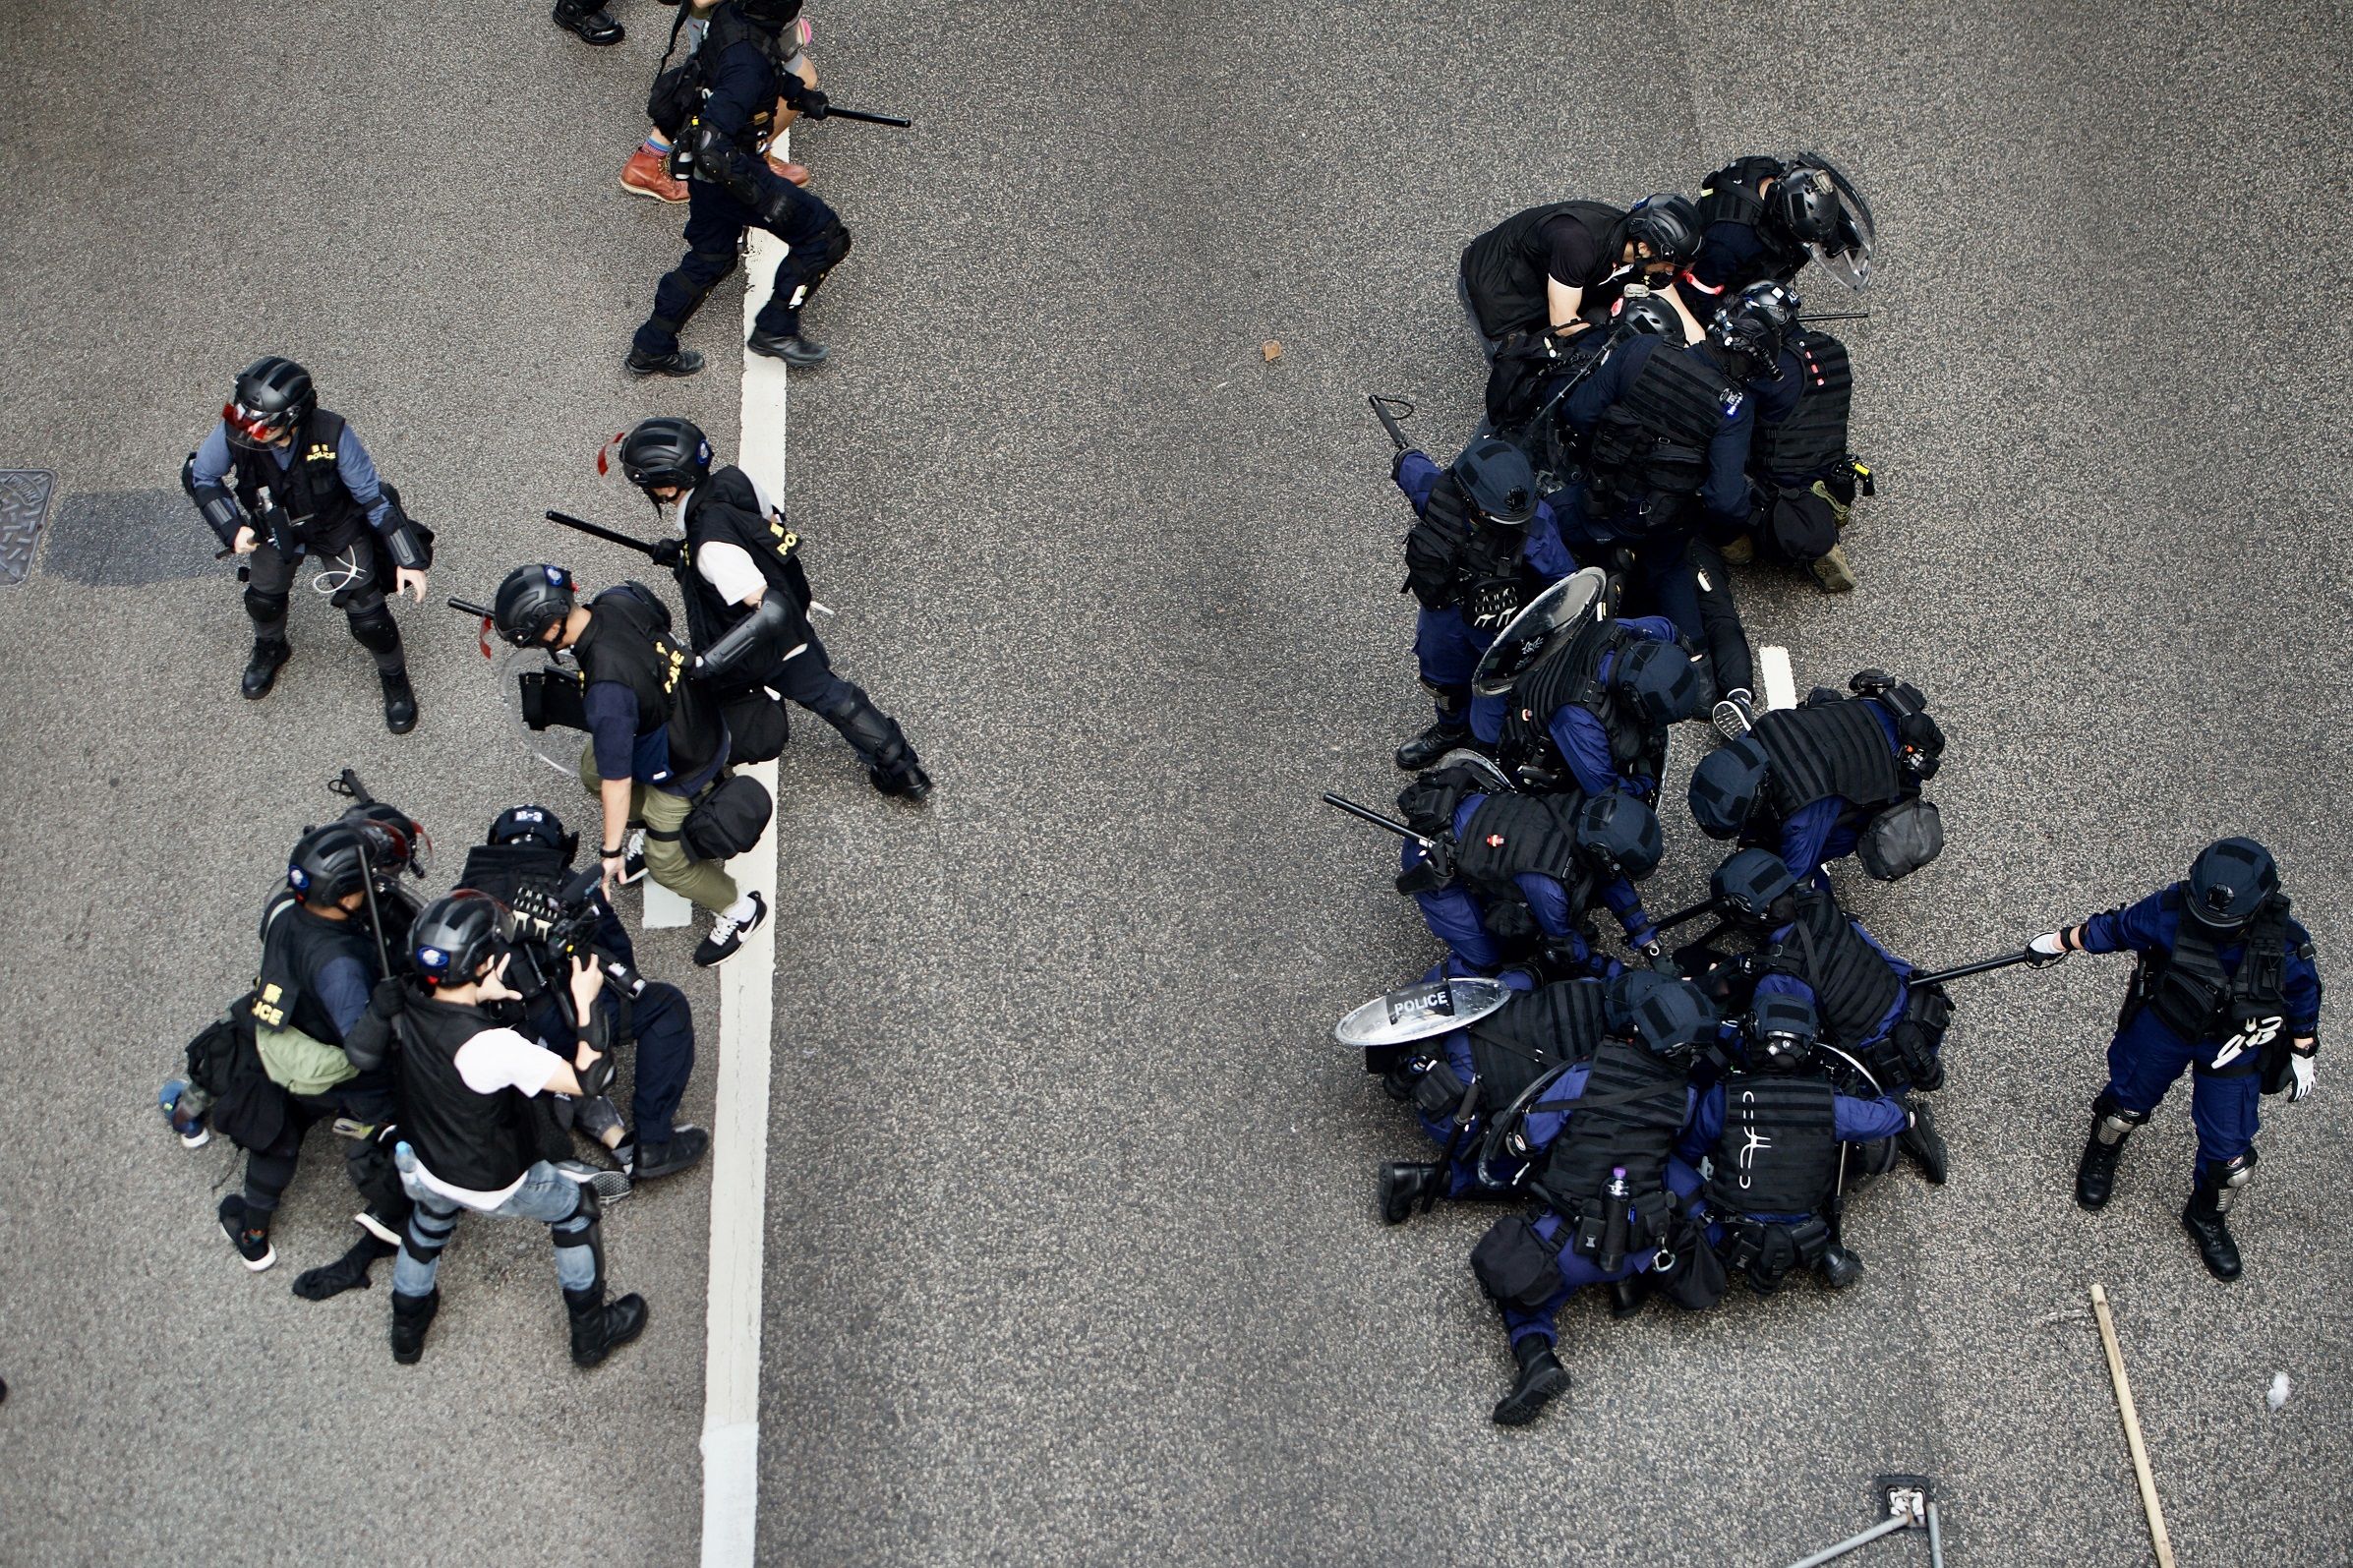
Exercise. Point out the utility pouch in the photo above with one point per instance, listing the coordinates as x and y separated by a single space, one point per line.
1437 1093
1515 1266
728 820
1900 840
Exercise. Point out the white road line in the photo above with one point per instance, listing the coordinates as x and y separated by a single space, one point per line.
739 1138
1781 686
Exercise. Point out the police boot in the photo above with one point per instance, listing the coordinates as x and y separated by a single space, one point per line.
904 777
1628 1295
1922 1142
261 669
791 347
2205 1217
1431 744
411 1317
1404 1185
598 1329
588 18
2095 1172
678 362
1540 1377
1837 1267
400 700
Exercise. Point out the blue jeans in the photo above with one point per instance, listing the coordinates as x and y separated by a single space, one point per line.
547 1194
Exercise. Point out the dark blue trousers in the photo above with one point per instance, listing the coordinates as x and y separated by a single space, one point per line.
715 225
2145 1059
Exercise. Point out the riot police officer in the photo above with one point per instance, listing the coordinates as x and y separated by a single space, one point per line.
1830 778
1597 709
321 956
739 78
1775 1133
1863 994
740 553
2226 989
1481 546
1664 427
1511 876
1803 478
1599 1146
279 479
1762 218
474 1130
657 745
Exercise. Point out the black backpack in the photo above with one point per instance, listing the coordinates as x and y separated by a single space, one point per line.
678 88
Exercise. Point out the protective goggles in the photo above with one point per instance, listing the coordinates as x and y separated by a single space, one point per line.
263 428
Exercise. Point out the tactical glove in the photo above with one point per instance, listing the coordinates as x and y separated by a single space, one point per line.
2304 1066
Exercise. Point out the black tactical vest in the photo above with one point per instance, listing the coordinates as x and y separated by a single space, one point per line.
1572 677
1628 1115
629 642
726 510
1854 986
309 488
1779 1152
1731 194
1654 439
515 874
1503 269
1832 748
295 946
2197 996
1541 1029
480 1141
1451 550
728 31
1508 835
1811 442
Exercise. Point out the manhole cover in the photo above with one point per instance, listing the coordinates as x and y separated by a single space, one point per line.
24 507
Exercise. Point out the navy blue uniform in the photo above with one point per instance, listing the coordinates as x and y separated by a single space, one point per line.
2146 1057
1820 830
1457 916
1577 733
743 82
1445 643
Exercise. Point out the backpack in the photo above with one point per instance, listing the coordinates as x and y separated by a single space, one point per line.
677 89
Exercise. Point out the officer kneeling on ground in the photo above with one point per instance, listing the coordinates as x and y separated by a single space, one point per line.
303 485
476 1128
525 864
657 745
738 555
2227 990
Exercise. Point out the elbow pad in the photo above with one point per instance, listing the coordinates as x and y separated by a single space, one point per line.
756 634
214 504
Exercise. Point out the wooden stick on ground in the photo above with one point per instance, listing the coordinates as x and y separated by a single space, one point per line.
2131 1428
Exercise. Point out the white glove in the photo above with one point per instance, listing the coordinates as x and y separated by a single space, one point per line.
2305 1068
2051 945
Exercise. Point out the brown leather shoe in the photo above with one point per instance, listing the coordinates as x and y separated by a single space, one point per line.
647 173
797 173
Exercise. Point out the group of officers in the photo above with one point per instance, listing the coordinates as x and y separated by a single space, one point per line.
463 1049
1689 1114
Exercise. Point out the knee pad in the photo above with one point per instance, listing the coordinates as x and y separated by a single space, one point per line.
266 609
374 627
586 1214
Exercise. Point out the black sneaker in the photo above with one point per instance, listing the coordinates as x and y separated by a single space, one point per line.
727 936
685 1148
632 858
678 362
377 1225
1735 715
589 22
252 1242
610 1185
791 347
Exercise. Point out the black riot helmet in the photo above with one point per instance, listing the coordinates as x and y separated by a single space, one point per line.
531 600
1664 1016
666 451
1726 788
1619 836
1782 1031
328 865
455 937
534 825
1496 476
272 395
395 841
1754 885
769 15
1641 313
1804 205
1752 328
2229 882
1668 223
1658 679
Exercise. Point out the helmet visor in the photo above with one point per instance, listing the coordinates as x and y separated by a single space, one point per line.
255 428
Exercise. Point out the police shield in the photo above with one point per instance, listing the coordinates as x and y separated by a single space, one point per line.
542 702
1419 1012
1549 620
1492 778
1848 257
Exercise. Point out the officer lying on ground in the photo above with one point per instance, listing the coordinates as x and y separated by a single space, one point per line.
738 552
304 486
2226 989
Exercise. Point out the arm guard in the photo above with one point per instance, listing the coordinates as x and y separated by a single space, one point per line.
216 505
408 542
756 634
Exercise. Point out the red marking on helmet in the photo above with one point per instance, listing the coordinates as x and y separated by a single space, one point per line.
485 637
1495 841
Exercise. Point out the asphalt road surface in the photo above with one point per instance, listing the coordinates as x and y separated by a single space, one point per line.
1072 1257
